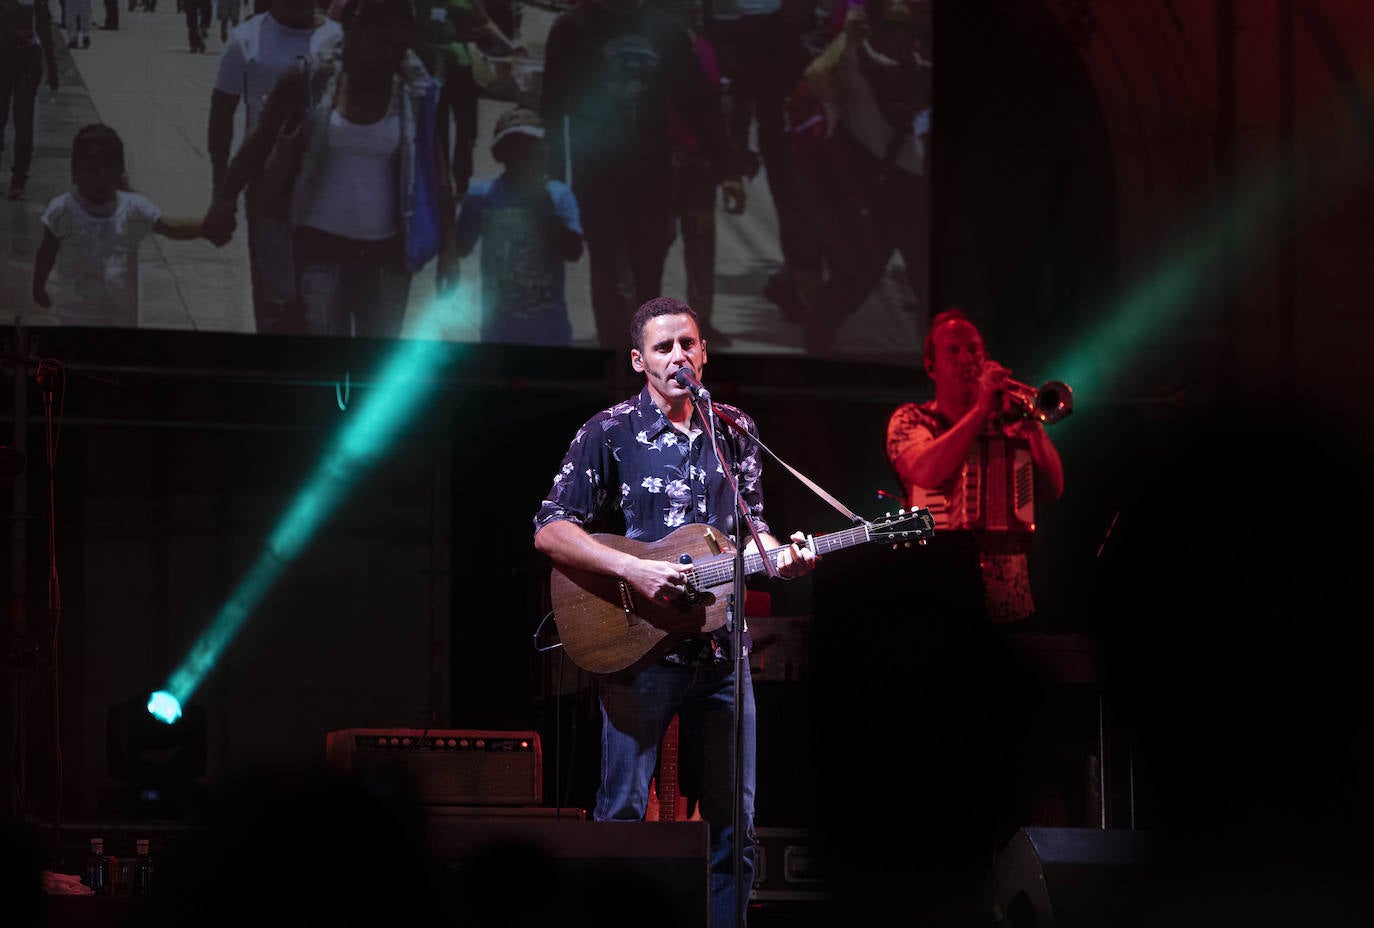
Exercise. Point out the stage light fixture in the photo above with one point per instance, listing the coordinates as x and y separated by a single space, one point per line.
154 765
164 706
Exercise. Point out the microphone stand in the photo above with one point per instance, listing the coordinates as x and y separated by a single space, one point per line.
735 622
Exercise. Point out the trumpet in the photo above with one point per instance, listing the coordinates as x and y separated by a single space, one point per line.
1052 401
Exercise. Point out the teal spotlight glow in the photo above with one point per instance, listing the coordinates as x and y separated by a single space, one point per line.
407 379
164 706
1142 320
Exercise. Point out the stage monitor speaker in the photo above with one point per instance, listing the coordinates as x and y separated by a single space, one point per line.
1073 878
659 871
444 767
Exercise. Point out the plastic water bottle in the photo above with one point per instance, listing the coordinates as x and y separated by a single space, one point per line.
143 869
98 868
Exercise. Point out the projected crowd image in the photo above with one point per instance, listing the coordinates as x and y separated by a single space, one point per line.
474 170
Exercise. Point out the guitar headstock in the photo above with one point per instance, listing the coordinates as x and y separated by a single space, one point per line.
906 527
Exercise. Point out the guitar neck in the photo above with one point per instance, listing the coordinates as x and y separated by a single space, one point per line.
667 774
720 569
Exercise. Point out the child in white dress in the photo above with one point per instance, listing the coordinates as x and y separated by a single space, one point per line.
92 235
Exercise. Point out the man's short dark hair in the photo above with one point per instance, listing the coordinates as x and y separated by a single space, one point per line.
658 306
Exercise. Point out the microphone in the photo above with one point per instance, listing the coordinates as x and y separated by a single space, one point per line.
688 380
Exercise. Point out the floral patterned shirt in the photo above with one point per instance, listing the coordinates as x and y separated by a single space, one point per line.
1006 573
629 472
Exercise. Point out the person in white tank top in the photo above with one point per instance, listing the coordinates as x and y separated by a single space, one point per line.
354 188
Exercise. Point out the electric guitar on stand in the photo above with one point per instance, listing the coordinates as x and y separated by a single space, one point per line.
607 627
666 802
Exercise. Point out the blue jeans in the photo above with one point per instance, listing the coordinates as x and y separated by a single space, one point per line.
635 714
277 307
350 287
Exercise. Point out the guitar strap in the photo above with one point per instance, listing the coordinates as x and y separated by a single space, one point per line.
839 506
769 567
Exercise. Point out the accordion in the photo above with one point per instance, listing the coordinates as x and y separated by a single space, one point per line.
993 491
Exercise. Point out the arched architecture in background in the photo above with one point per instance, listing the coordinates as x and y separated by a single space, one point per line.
1024 230
1220 162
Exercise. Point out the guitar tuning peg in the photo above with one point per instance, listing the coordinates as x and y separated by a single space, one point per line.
887 515
901 512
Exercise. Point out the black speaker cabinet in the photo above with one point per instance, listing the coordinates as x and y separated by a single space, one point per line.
613 873
444 767
1074 878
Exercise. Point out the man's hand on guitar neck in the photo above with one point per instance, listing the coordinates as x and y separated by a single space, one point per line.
794 560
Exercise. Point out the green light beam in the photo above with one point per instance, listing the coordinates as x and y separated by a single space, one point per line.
404 383
1143 313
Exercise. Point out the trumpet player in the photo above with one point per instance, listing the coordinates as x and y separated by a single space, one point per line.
929 444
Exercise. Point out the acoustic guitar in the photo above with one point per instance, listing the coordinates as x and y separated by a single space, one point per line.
607 627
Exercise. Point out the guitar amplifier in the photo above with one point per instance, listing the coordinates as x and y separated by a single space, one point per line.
444 767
